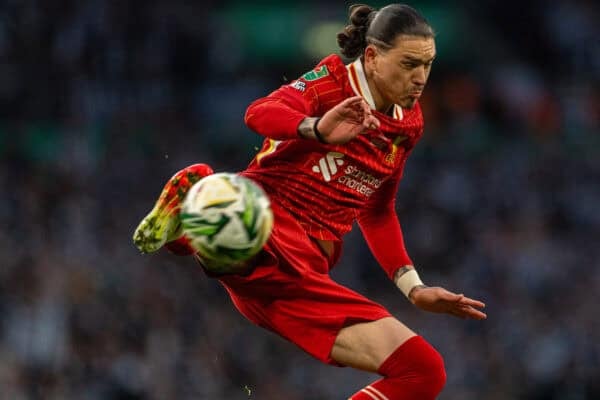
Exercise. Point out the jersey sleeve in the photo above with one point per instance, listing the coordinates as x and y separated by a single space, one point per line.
381 229
278 115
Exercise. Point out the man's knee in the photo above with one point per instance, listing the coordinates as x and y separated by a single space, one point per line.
416 360
430 365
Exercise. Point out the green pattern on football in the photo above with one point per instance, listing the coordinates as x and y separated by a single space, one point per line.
196 226
227 218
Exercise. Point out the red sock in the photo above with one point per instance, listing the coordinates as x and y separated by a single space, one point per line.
415 371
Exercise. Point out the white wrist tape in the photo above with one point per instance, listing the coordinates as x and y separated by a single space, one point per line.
407 281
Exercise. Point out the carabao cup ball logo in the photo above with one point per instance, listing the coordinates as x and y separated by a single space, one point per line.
227 217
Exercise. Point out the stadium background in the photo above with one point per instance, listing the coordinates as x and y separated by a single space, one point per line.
101 101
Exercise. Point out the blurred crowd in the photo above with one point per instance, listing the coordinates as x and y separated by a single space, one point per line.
102 101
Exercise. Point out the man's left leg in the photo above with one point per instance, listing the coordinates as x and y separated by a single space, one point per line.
412 369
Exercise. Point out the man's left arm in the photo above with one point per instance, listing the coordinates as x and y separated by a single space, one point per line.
381 229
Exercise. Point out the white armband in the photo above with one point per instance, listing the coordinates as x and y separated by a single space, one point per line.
406 279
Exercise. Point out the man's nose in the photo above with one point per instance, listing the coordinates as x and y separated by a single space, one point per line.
419 76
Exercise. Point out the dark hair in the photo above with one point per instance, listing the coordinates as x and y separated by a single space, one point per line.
380 27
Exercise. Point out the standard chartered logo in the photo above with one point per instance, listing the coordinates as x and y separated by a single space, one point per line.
352 176
328 165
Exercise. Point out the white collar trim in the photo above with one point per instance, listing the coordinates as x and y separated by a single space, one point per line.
361 83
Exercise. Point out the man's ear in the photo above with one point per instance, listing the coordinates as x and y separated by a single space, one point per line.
370 55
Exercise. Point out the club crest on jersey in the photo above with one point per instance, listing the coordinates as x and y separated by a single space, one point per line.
316 74
390 158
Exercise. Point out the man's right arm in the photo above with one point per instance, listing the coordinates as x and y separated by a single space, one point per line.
279 115
295 111
289 112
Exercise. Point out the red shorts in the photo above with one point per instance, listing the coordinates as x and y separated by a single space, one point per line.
291 293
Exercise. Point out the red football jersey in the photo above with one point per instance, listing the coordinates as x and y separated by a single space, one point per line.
328 187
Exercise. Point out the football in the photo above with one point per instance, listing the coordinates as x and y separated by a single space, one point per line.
227 218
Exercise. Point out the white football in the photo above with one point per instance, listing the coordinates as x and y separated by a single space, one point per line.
227 218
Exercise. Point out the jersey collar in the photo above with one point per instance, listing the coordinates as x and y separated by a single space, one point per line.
358 81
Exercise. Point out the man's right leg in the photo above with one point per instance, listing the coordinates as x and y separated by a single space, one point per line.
161 226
